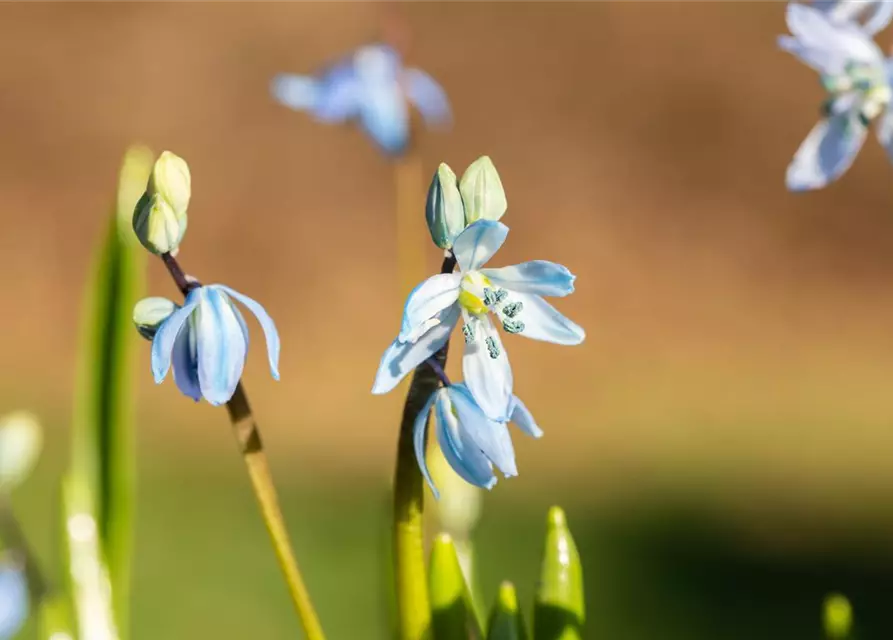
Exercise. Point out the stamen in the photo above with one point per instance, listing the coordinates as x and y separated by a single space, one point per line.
512 309
492 347
468 333
494 296
513 326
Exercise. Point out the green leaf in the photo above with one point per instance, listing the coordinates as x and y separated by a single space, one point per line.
103 458
451 614
559 609
506 621
54 619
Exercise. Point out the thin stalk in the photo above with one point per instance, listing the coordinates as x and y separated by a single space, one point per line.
248 438
413 602
14 538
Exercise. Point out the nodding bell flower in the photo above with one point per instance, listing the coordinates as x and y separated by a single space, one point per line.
513 295
159 218
14 599
871 15
453 204
471 442
855 75
206 341
372 87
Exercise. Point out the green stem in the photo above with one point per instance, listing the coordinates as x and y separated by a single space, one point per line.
14 538
250 446
413 603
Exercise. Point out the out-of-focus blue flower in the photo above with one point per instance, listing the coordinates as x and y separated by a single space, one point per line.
872 15
471 442
206 340
514 295
14 600
371 86
855 75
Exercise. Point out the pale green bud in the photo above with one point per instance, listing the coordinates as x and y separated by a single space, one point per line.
159 219
21 439
482 191
444 210
459 507
149 313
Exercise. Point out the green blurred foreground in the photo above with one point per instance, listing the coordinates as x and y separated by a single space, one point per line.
203 566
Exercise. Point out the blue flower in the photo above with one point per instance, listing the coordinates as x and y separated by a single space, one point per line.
872 15
373 87
513 295
855 74
471 442
14 600
207 341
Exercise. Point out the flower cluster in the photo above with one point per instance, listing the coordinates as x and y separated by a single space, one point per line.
205 340
463 216
835 39
372 87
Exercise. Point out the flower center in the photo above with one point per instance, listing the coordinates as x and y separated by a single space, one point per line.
471 293
478 296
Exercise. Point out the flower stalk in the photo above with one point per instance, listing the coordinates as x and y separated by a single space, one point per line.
413 602
248 438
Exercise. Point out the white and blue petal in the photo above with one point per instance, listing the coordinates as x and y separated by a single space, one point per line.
827 152
419 433
384 116
185 362
544 322
523 419
880 18
541 277
427 300
459 450
842 42
490 436
872 15
14 601
166 336
486 367
220 345
266 323
478 243
427 95
884 130
401 358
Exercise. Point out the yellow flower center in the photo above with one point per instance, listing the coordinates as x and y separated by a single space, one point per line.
471 293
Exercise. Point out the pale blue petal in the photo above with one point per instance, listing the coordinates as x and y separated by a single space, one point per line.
883 14
14 601
544 322
427 95
523 419
845 42
460 452
478 243
821 59
185 361
489 379
301 93
490 436
266 323
221 346
163 343
826 153
541 277
341 94
418 438
427 300
384 116
884 131
402 358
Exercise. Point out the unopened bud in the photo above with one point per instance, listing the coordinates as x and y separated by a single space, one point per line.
21 439
150 313
159 219
482 191
444 210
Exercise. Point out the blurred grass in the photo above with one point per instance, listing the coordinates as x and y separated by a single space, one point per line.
655 567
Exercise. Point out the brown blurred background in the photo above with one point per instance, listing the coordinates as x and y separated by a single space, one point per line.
740 338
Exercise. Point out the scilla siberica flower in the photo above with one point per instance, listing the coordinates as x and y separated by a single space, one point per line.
513 295
872 15
371 86
14 600
206 340
471 442
854 73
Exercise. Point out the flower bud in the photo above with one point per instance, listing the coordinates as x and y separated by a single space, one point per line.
159 218
149 313
20 442
482 192
559 606
444 210
837 616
